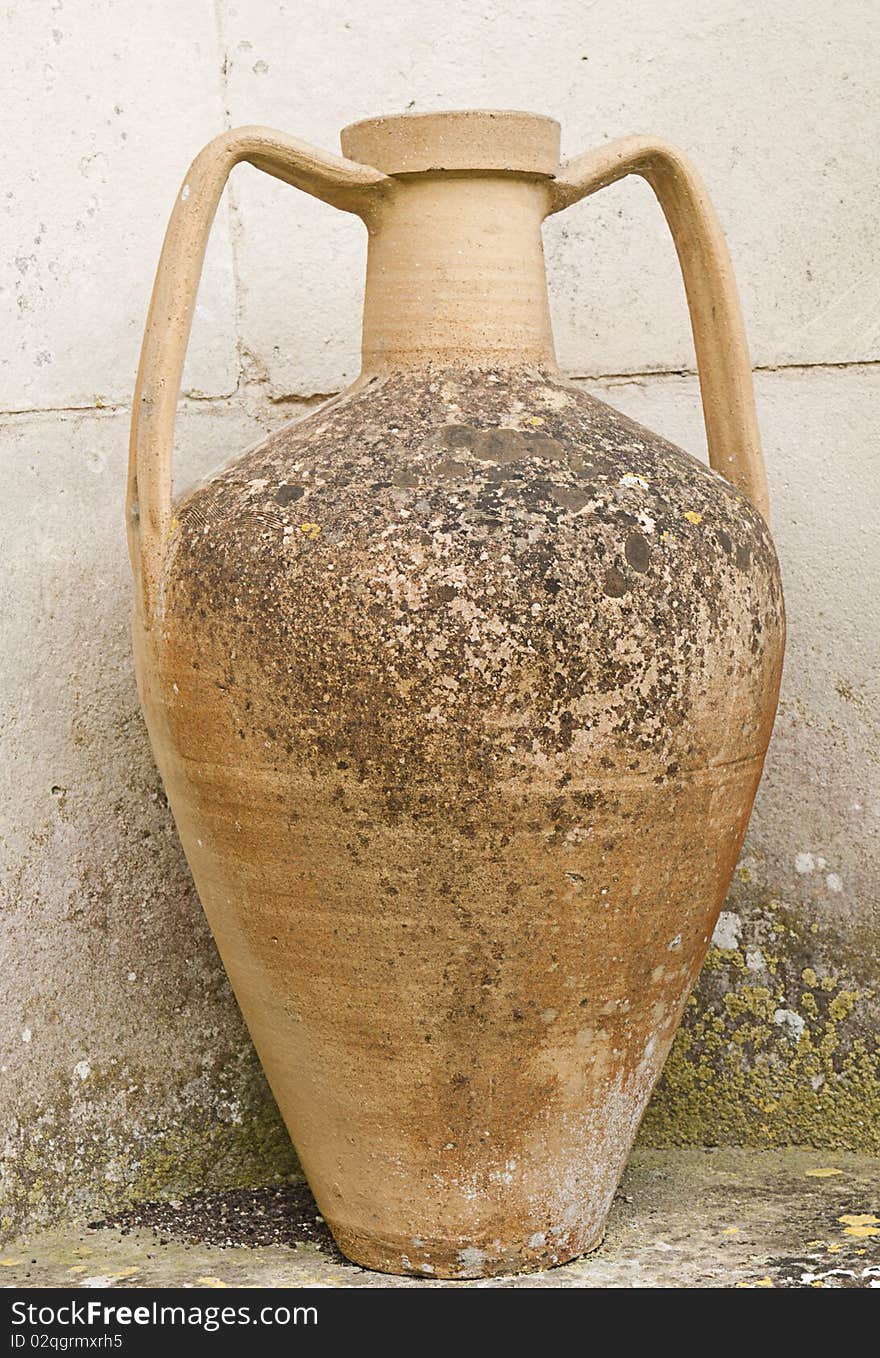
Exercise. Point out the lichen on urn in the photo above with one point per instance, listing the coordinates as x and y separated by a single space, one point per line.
484 548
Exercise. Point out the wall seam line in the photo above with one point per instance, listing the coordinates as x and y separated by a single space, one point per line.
242 390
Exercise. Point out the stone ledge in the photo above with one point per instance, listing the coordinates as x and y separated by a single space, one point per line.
682 1218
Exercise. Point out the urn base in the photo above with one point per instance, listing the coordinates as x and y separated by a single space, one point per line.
449 1259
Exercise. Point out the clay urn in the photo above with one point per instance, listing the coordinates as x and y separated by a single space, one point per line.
460 689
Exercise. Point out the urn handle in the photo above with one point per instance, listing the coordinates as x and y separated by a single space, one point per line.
342 183
723 364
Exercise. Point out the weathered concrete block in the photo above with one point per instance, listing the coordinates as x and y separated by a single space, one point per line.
103 107
766 109
124 1060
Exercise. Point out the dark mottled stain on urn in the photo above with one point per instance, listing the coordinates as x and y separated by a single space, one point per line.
481 553
570 497
286 494
501 445
637 552
615 585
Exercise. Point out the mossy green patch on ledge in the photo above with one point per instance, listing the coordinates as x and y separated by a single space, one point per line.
778 1045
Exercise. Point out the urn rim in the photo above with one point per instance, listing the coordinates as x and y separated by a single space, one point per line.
499 140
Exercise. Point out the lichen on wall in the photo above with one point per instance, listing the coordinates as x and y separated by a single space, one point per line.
125 1068
92 1150
779 1041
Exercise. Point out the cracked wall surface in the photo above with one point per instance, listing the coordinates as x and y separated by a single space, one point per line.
125 1069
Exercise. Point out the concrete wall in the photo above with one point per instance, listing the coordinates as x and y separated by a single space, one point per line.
124 1067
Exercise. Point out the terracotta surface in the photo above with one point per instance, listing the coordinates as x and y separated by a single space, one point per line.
460 690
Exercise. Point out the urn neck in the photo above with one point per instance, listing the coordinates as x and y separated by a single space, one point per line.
455 269
455 274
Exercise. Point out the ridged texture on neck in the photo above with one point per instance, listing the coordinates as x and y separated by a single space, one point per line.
455 275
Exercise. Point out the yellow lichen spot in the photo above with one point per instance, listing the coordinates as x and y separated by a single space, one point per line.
211 1281
809 977
693 517
10 1263
842 1004
833 1249
862 1232
765 1282
812 1244
78 1268
859 1219
730 1230
535 419
817 1282
123 1273
313 529
822 1173
175 524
